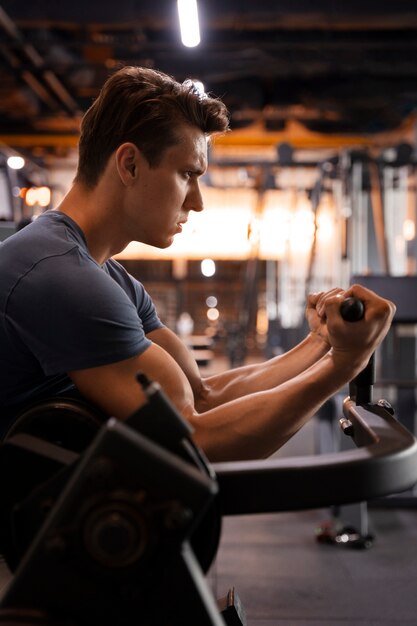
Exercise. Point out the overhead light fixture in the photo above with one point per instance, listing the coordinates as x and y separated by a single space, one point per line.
16 162
208 267
189 25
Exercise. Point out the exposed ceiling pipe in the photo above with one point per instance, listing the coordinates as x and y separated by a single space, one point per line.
29 78
59 89
51 80
9 26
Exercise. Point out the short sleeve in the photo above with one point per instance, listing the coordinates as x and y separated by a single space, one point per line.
138 294
71 314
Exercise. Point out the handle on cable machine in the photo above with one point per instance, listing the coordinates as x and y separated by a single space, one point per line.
360 388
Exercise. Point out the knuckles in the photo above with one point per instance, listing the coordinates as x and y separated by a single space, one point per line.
378 308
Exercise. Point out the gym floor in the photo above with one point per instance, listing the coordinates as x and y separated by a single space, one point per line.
285 577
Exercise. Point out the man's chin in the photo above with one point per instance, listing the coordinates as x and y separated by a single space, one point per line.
167 243
162 245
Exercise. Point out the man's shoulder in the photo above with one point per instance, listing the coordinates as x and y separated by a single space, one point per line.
39 248
41 238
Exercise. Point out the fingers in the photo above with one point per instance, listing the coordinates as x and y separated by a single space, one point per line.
355 341
324 316
327 302
312 299
330 306
320 300
375 305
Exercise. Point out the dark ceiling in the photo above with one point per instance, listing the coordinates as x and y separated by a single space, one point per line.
335 66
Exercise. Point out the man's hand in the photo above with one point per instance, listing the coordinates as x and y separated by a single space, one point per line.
316 318
351 342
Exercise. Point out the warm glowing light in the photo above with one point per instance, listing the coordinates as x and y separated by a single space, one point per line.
208 267
16 162
287 225
276 225
254 230
409 230
44 196
262 321
325 227
31 196
189 25
38 195
302 230
218 232
213 314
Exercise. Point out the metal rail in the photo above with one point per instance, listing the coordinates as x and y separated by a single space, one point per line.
384 463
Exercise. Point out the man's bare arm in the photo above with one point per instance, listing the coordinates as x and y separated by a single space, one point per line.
241 381
259 423
249 427
115 390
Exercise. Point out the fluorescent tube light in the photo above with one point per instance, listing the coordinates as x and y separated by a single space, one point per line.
189 26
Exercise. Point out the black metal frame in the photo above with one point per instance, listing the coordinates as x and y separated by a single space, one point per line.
385 462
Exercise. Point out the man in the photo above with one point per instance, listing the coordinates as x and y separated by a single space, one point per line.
71 316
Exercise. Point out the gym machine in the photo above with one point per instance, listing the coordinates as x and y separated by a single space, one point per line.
396 377
123 531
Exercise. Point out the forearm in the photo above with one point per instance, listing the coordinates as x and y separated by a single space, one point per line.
249 379
255 426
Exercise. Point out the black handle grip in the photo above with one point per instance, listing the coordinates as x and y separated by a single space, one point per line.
352 309
360 389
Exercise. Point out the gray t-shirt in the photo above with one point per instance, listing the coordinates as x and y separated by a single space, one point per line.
61 311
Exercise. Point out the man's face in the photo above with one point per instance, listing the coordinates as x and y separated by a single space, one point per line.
165 194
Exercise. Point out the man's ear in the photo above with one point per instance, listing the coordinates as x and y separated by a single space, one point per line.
127 162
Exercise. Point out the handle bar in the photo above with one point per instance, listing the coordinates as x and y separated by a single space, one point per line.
360 388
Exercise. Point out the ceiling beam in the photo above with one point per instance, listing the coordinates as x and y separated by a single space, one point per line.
38 72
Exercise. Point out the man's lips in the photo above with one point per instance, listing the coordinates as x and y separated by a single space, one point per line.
180 225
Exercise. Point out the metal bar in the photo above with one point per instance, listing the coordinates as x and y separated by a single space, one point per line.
385 463
378 215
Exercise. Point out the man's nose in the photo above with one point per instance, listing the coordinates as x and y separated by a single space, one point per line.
194 199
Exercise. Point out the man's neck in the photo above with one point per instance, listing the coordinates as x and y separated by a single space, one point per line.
88 209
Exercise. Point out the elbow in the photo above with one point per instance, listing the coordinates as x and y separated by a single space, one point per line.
202 397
